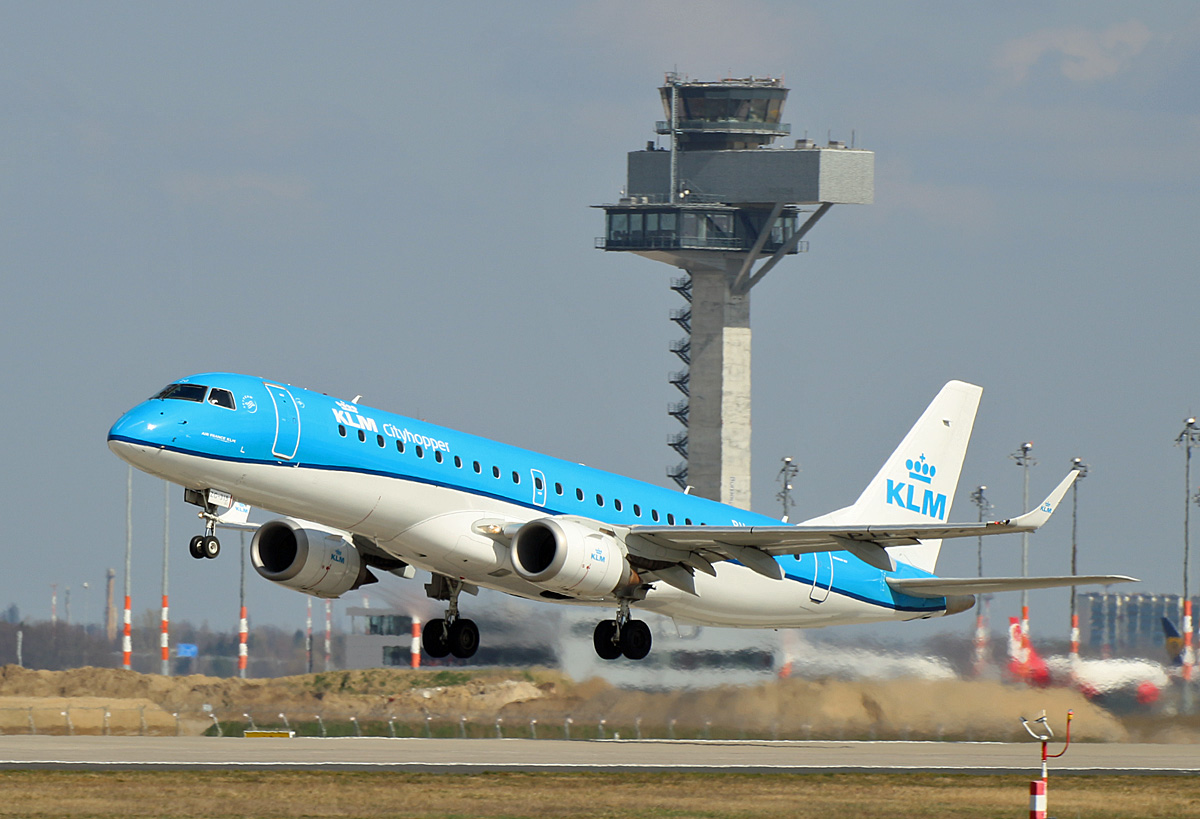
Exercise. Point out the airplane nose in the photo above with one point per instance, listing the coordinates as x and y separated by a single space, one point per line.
140 429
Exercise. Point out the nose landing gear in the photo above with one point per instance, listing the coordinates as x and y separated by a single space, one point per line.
623 636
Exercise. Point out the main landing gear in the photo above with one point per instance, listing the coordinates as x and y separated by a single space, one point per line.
453 634
623 636
206 545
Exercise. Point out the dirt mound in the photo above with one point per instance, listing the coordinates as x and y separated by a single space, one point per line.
792 708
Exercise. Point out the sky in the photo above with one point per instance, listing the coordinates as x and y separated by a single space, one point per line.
395 200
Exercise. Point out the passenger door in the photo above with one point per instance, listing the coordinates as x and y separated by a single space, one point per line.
287 422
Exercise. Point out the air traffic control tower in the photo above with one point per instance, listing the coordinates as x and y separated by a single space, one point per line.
717 201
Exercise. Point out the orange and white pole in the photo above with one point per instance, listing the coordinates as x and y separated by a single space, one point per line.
416 642
243 628
164 638
1189 657
127 633
980 642
1074 637
243 653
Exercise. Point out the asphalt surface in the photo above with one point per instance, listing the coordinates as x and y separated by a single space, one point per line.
473 755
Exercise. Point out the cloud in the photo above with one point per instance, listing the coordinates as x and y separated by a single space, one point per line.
1084 55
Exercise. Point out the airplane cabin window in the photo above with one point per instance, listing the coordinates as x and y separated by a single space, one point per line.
183 392
362 436
495 472
654 515
670 519
579 494
400 446
558 488
617 505
420 450
537 482
458 462
637 511
222 398
379 440
516 478
437 455
477 467
341 430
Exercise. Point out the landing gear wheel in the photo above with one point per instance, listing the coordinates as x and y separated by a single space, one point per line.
195 549
435 640
606 647
463 638
210 547
635 639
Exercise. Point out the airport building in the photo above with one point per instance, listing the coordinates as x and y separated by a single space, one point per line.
1125 625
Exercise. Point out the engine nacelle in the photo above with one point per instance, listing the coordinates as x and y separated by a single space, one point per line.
569 558
312 561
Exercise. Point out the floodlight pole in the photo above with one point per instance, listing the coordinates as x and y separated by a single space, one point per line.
1024 460
981 633
787 473
1189 437
1079 466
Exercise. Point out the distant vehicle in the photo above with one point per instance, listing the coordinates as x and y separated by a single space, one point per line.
1112 682
362 489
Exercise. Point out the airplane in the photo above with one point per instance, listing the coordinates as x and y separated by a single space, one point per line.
360 489
1116 682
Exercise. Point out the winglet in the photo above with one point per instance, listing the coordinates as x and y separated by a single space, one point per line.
1036 518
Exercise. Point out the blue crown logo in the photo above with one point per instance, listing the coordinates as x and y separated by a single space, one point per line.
920 469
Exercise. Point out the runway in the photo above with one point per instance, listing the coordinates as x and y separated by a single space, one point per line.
474 755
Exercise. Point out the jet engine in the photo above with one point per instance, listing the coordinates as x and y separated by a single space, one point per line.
567 557
314 561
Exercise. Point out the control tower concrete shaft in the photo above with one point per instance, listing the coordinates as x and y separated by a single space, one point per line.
715 202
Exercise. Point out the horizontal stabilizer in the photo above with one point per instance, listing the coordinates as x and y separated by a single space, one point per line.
947 586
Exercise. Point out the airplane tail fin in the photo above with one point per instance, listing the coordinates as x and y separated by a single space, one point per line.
1173 642
918 481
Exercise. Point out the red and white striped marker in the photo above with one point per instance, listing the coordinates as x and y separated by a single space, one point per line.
164 639
1074 636
416 642
1037 799
127 637
243 653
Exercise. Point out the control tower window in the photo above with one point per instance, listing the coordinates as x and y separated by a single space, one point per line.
635 228
666 222
618 227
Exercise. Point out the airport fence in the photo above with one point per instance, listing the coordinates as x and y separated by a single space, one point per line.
152 720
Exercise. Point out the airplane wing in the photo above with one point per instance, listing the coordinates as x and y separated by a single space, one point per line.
757 546
946 586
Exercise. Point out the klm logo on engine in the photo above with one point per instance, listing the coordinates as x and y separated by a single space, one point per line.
905 493
337 556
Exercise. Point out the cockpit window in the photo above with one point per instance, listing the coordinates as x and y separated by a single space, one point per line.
184 392
222 398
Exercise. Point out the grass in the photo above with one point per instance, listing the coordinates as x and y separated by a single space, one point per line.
98 795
